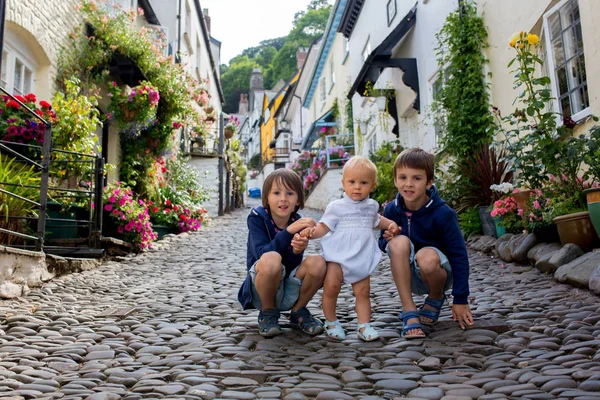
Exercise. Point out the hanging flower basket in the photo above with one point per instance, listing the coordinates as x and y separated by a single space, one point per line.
229 132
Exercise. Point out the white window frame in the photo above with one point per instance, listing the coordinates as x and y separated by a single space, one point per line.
552 68
436 81
366 50
11 55
165 42
346 50
111 6
322 91
331 73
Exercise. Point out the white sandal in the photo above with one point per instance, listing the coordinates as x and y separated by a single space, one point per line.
368 334
337 332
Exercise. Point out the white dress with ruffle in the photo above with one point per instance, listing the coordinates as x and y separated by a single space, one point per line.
351 242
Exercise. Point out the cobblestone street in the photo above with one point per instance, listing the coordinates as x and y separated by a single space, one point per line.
187 336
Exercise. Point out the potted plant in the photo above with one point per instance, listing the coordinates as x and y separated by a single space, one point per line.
134 109
592 159
511 216
232 124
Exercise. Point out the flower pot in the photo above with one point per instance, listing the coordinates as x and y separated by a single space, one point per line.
500 230
228 133
128 115
593 203
161 230
576 228
521 197
488 227
381 103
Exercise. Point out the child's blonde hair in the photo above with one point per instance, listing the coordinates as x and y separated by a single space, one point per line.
361 162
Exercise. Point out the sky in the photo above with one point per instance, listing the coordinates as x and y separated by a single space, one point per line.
239 24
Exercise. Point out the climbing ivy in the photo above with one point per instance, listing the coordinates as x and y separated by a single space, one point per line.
463 98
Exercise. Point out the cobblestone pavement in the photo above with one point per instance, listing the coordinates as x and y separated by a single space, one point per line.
188 338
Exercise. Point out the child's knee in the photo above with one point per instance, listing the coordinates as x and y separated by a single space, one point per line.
428 261
270 264
399 246
317 267
332 285
362 289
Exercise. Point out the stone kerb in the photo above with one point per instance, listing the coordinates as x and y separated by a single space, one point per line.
21 270
568 263
328 188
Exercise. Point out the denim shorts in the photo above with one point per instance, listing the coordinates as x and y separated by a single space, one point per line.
287 293
418 286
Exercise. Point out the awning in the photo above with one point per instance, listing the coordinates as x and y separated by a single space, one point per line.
381 58
325 121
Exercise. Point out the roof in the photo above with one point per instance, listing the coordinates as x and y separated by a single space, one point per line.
148 12
351 13
329 36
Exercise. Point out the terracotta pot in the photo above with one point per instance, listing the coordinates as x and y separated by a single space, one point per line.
228 133
521 197
593 203
576 228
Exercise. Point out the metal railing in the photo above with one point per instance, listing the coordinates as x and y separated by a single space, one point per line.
337 143
22 153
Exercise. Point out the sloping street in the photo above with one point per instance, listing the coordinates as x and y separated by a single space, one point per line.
184 335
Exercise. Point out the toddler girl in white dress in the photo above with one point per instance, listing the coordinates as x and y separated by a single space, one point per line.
351 249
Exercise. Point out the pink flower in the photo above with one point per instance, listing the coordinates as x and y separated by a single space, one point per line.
520 212
536 204
108 207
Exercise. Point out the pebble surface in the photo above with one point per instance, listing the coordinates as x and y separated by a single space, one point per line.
187 337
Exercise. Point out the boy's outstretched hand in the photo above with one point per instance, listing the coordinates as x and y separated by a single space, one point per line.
462 314
299 243
302 223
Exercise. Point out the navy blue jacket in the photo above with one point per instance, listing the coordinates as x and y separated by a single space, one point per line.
436 225
262 238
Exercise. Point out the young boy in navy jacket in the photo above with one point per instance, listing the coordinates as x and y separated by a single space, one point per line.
429 256
278 278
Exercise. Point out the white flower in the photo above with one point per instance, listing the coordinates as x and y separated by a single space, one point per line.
505 187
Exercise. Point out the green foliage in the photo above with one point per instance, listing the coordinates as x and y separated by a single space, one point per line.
469 221
463 97
384 159
236 80
253 163
281 64
14 173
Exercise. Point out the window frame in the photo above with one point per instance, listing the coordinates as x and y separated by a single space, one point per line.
323 91
552 70
436 80
11 55
331 73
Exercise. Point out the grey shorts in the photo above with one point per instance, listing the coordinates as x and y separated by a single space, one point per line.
418 286
287 293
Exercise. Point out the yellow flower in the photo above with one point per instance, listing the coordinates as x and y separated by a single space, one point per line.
533 39
514 38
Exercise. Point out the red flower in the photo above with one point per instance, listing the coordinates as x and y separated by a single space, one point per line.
45 104
20 98
13 104
154 209
167 210
30 97
168 202
163 169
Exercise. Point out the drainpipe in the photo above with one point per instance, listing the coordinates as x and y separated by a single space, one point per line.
178 53
2 15
301 126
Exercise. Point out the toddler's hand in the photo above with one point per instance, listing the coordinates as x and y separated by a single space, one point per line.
302 223
299 243
392 231
307 232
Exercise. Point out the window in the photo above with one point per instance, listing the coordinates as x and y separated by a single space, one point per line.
17 74
322 91
160 35
346 50
391 11
366 51
331 73
439 119
566 61
111 6
198 56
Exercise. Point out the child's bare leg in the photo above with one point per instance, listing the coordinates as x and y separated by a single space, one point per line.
311 272
399 251
362 293
331 290
268 277
433 275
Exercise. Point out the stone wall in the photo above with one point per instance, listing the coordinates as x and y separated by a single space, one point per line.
208 168
44 25
328 189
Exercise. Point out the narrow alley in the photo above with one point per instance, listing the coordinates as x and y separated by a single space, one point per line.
185 335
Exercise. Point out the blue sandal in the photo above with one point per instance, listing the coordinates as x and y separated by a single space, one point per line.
368 334
334 330
268 322
303 320
431 314
405 316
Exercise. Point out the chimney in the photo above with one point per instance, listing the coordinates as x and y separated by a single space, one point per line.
301 55
243 107
206 19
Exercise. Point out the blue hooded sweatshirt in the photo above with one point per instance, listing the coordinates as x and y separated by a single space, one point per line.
435 224
265 236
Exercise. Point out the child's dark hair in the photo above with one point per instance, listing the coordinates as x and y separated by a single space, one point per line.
416 158
286 178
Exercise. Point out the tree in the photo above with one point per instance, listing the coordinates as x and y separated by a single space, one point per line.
236 80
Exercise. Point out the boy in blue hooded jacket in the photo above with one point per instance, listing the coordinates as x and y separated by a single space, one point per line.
279 278
429 256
